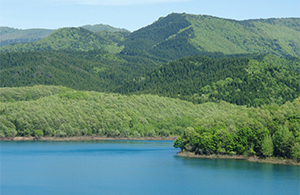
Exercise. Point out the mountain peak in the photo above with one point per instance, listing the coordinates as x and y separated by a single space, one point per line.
104 27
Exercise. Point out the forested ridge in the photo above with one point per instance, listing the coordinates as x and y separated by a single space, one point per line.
180 35
256 81
79 39
13 36
10 36
96 70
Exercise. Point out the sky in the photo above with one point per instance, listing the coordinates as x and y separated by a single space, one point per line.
133 14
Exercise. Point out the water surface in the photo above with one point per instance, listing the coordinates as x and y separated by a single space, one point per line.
133 167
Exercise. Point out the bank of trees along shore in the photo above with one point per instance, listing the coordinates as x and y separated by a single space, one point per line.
222 128
267 131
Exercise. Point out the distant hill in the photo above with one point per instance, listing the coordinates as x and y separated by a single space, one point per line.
103 27
14 36
73 39
181 35
256 81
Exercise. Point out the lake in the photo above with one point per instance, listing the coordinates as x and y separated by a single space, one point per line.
133 167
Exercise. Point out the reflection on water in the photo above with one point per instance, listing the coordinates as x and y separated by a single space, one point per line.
133 167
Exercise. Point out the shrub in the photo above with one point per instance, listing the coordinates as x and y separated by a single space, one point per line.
38 133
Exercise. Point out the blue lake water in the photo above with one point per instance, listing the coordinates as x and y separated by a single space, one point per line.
133 167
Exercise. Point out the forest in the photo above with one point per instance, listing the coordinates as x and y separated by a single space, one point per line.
256 81
272 132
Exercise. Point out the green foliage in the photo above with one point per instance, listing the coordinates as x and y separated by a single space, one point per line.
180 35
242 81
68 112
245 131
38 133
103 27
14 36
178 143
267 146
207 128
28 93
91 70
176 36
273 36
296 152
79 39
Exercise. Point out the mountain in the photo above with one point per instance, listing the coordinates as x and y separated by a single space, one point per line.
96 69
73 39
109 61
14 36
181 35
256 81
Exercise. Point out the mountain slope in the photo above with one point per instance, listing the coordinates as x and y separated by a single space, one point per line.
180 35
243 81
72 39
272 36
84 70
14 36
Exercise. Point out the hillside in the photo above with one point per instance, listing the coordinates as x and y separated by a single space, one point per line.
95 70
219 127
264 79
14 36
79 39
254 80
181 35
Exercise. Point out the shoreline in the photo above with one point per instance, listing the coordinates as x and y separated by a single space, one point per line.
86 138
239 157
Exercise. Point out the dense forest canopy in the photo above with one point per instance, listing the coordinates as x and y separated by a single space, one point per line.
96 70
268 131
256 81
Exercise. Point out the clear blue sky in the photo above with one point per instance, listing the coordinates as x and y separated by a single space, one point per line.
133 14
